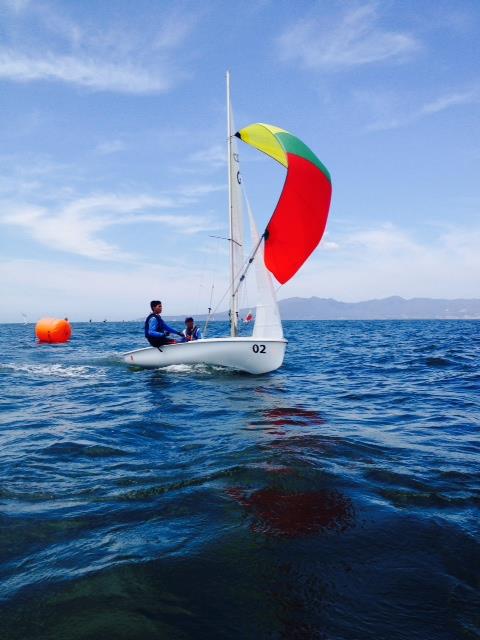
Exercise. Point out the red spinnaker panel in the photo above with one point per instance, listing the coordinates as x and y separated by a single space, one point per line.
299 220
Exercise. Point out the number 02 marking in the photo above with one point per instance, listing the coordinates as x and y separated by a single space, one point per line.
259 348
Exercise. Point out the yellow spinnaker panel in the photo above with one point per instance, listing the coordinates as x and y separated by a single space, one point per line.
262 137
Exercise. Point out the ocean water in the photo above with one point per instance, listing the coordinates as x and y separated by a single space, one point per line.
337 498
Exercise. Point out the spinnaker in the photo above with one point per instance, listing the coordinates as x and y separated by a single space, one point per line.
300 217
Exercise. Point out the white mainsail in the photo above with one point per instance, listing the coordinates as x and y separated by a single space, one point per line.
235 214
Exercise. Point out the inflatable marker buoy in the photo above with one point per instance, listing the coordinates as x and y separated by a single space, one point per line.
53 330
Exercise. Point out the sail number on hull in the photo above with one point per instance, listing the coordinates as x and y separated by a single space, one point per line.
259 348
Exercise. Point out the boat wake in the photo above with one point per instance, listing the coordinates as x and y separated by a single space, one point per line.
55 370
195 368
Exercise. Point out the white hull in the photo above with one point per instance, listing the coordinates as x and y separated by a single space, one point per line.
246 354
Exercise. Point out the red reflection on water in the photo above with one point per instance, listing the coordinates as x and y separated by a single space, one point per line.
277 513
293 416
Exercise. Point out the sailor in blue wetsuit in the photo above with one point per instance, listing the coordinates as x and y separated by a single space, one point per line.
156 330
191 331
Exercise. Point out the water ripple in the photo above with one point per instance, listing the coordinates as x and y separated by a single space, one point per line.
337 498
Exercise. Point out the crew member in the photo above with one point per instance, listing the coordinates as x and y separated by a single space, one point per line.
156 330
191 331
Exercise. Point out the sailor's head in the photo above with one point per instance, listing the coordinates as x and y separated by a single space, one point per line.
156 306
189 323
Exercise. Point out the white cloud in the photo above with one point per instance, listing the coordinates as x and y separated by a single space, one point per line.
50 203
386 260
450 100
354 40
328 245
60 289
174 30
394 111
194 191
369 263
110 146
17 6
214 157
76 226
82 71
44 44
29 180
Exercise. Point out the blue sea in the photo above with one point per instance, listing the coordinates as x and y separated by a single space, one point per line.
334 499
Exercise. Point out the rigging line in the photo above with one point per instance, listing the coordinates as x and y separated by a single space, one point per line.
209 312
229 288
244 268
250 260
214 270
229 239
212 312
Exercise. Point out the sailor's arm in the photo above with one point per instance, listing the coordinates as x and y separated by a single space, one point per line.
171 330
152 329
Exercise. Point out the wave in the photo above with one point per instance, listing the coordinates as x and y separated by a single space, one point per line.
188 369
56 370
438 362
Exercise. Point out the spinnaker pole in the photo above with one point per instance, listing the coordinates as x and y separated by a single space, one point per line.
233 293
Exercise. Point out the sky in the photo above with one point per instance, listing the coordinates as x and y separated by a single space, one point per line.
113 132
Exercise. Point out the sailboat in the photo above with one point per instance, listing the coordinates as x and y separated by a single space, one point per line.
293 232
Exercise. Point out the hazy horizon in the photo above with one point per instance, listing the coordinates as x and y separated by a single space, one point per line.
214 318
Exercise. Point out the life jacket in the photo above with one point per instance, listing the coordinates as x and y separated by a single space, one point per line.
161 328
194 333
148 318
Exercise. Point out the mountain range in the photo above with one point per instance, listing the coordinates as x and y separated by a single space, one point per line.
392 308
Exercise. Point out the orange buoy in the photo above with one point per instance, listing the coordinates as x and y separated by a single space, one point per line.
53 330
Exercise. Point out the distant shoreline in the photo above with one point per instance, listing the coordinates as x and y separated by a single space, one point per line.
315 309
201 320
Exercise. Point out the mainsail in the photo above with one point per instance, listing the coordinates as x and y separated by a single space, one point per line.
300 217
235 214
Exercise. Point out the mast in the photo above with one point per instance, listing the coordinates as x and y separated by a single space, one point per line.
233 293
